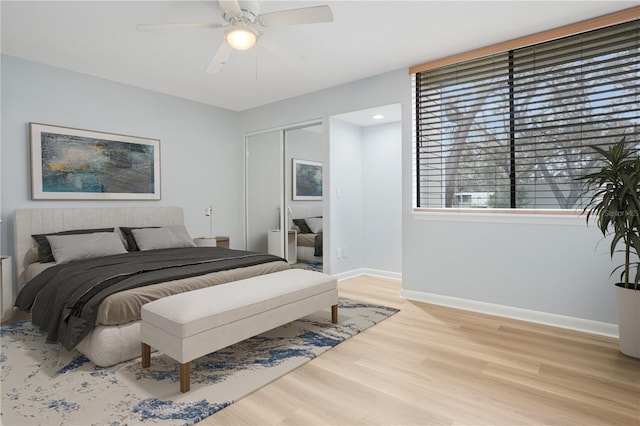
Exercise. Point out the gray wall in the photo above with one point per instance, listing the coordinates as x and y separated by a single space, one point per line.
543 264
382 197
347 209
201 146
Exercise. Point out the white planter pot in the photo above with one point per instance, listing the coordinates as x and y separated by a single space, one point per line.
629 320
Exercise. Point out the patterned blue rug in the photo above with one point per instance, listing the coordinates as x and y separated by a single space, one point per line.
311 266
42 384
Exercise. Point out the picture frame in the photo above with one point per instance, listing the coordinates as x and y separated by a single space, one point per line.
307 180
77 164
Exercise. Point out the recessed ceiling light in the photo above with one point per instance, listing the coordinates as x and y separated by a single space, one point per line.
378 117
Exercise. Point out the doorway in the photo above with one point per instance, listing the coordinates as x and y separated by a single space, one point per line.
366 183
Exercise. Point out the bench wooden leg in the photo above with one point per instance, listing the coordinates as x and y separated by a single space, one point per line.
146 355
334 314
185 381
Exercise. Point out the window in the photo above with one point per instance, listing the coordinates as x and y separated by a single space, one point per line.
513 130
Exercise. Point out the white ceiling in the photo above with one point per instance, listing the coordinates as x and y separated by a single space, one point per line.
367 38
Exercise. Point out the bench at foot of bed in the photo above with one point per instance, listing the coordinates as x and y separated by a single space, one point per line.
189 325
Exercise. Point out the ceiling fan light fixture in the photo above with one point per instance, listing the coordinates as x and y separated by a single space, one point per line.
241 38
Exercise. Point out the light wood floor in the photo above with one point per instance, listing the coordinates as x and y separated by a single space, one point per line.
435 365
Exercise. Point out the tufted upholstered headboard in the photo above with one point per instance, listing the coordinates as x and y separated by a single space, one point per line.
39 221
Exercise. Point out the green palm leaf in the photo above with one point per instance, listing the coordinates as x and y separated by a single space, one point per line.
613 195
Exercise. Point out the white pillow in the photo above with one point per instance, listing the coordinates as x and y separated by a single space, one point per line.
160 238
67 248
314 223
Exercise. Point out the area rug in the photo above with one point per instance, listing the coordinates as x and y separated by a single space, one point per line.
311 266
44 384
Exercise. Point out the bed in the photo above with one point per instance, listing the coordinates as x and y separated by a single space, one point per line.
307 221
113 336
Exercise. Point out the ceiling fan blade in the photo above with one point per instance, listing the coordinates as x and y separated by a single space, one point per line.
305 15
278 50
231 7
191 25
220 58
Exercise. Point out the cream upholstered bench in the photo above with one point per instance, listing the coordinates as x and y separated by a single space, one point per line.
189 325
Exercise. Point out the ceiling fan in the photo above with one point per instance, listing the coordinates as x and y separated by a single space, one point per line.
243 22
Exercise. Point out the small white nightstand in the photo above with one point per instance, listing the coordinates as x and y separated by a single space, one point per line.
274 241
212 241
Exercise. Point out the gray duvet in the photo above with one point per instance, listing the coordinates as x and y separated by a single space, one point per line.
64 299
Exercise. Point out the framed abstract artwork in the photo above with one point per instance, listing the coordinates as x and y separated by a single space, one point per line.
307 180
75 164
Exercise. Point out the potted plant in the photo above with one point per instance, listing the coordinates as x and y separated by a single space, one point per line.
614 200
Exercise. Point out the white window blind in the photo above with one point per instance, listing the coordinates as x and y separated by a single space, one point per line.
512 130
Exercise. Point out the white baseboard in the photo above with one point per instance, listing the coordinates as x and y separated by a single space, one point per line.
382 274
368 271
348 274
562 321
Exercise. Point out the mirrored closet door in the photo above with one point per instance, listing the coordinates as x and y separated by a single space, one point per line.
264 188
284 194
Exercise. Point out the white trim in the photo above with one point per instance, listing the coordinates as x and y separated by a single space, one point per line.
506 218
367 271
348 274
562 321
383 274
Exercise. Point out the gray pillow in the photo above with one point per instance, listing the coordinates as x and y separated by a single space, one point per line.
67 248
44 249
129 238
161 238
314 224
